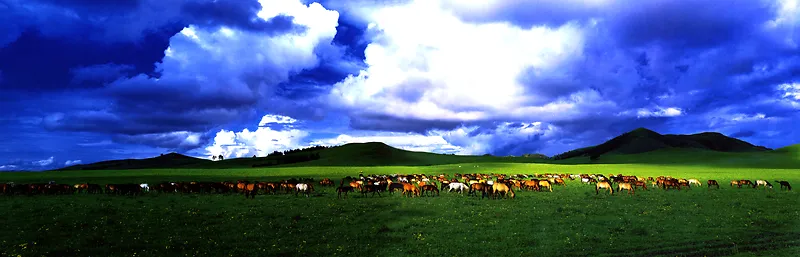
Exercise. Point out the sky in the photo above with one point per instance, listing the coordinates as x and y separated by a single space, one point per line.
83 81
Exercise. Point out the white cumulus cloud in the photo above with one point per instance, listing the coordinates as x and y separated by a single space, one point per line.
44 162
435 66
72 162
260 142
278 119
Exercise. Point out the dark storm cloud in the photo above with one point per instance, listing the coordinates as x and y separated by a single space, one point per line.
743 134
35 62
691 24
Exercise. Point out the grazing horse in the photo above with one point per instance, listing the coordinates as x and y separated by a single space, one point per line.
712 182
79 188
531 185
603 185
764 183
625 186
305 188
145 188
395 186
545 184
372 188
735 183
250 190
458 186
343 189
641 184
694 181
746 182
482 187
559 181
429 188
326 182
410 190
500 189
356 185
785 184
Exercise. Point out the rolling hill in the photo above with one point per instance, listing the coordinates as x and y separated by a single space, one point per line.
637 146
643 140
172 160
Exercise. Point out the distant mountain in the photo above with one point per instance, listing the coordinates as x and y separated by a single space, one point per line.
643 140
171 160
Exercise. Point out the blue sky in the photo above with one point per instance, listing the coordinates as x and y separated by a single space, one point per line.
84 81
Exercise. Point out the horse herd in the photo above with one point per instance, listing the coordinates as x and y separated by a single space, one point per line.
491 186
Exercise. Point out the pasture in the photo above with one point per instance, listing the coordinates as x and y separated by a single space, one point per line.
570 221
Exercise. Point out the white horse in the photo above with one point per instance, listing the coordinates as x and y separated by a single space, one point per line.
303 187
763 183
694 181
145 187
458 186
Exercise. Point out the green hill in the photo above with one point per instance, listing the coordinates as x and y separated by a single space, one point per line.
172 160
637 146
792 149
361 154
643 140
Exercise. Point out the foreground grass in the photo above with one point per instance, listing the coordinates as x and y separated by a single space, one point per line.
571 221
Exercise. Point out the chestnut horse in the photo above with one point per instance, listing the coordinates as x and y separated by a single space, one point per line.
250 190
641 184
746 182
603 185
410 190
429 188
482 187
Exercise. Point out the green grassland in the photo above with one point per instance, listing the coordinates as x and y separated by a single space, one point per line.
571 221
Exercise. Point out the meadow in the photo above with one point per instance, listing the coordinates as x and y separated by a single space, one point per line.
570 221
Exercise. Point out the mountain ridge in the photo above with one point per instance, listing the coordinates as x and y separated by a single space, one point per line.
642 140
633 143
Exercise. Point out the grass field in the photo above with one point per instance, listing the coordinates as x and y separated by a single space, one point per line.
571 221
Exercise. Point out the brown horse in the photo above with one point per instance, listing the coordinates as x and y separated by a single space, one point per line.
343 189
641 184
559 181
603 185
429 188
625 186
785 184
531 185
326 182
735 183
746 182
395 186
250 190
712 182
482 187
